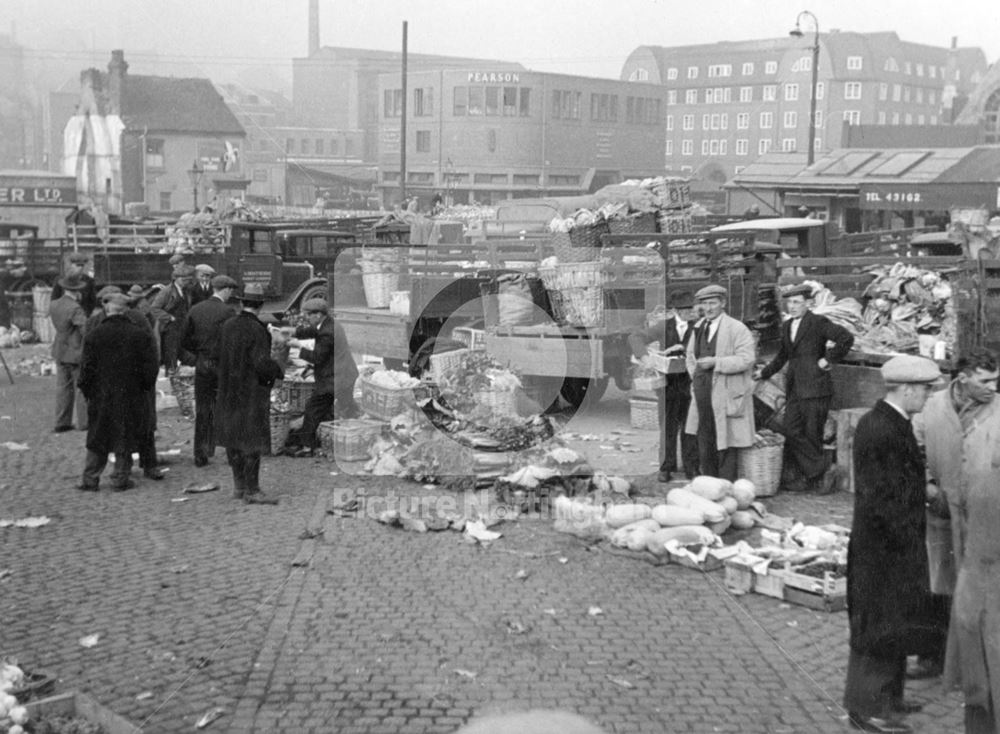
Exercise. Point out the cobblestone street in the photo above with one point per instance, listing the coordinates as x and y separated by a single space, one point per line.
293 619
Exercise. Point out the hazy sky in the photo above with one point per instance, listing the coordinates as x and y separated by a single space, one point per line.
589 37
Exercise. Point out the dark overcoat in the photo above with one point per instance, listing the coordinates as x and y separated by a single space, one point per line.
333 365
246 375
201 331
805 378
117 373
887 579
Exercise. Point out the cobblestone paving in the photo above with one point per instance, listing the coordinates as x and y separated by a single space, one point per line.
366 628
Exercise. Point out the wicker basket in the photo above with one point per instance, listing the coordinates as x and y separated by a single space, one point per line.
379 288
567 252
348 440
439 364
588 235
296 393
279 424
762 465
642 222
643 414
384 403
572 275
498 402
578 306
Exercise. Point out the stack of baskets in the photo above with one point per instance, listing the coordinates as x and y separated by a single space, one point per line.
380 271
576 292
348 439
761 463
639 222
384 403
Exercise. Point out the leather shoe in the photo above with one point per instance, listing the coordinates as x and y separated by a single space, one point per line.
88 487
663 476
122 486
907 707
154 474
259 498
921 669
832 480
876 724
62 429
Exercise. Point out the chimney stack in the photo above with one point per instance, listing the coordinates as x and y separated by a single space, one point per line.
313 27
117 69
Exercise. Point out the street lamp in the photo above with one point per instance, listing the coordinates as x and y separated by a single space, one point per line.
195 173
797 32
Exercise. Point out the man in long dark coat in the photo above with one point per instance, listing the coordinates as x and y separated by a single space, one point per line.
117 371
808 387
246 375
890 610
335 372
201 337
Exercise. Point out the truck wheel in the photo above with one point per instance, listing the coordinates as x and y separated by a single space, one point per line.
318 291
578 391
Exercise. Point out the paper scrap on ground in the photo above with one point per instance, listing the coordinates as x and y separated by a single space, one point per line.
26 522
15 446
209 717
477 529
89 640
199 487
466 673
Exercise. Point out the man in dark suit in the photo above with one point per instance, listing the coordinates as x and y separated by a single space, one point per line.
202 289
335 371
673 400
200 338
808 387
76 267
890 610
69 322
169 309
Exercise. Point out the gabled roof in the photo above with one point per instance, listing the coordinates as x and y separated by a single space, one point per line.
169 104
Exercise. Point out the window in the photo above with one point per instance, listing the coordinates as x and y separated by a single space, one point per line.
566 104
304 143
709 96
524 108
392 103
687 147
920 119
423 141
891 65
165 201
746 94
492 100
672 73
920 95
931 96
670 123
691 96
852 90
763 145
747 68
819 118
289 145
686 169
897 92
604 107
154 155
895 118
510 101
423 101
881 117
716 121
883 91
334 146
713 147
852 117
715 70
706 121
791 92
770 93
766 120
704 147
907 67
932 71
737 170
906 94
692 72
742 146
477 101
319 146
854 63
820 90
461 101
723 146
803 63
920 69
909 118
672 96
687 122
788 145
670 148
638 75
791 119
742 120
724 121
771 67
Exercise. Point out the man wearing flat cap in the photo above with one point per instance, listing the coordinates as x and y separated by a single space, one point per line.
201 290
200 339
76 267
808 389
246 374
69 322
720 359
672 334
117 371
335 372
890 609
169 309
100 313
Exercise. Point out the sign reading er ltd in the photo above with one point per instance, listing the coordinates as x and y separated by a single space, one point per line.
36 195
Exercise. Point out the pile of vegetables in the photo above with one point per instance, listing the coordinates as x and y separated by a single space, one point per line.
12 337
13 715
477 371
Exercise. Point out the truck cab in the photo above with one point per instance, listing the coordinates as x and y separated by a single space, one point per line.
797 237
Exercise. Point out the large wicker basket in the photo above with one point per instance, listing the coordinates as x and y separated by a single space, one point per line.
379 288
498 402
384 403
633 224
564 248
348 439
296 393
761 463
279 423
578 306
643 414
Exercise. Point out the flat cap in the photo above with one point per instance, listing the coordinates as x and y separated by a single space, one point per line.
798 290
223 281
72 283
680 299
204 268
106 291
136 292
315 305
183 271
711 291
908 368
119 299
253 293
79 258
177 257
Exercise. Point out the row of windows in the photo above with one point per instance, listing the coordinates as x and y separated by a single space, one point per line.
908 68
769 93
804 63
908 119
903 93
720 120
317 146
516 179
720 146
506 101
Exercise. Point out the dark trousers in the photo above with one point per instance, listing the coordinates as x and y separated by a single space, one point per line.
246 470
319 408
803 424
147 445
874 684
95 465
940 617
979 720
672 407
206 388
68 397
711 460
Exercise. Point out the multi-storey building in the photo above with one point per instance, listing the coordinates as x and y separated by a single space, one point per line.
488 134
729 102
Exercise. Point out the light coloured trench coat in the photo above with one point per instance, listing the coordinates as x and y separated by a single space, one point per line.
732 384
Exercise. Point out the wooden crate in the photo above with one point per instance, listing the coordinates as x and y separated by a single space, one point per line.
827 594
710 559
847 422
79 705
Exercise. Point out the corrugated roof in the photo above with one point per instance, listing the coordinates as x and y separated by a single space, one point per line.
982 164
170 104
772 168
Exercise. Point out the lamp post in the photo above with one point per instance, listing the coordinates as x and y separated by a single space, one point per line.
195 173
797 32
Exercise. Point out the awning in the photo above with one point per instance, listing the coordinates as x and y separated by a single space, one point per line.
928 196
332 175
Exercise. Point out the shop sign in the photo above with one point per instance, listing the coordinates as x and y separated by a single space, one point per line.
37 195
929 197
494 77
